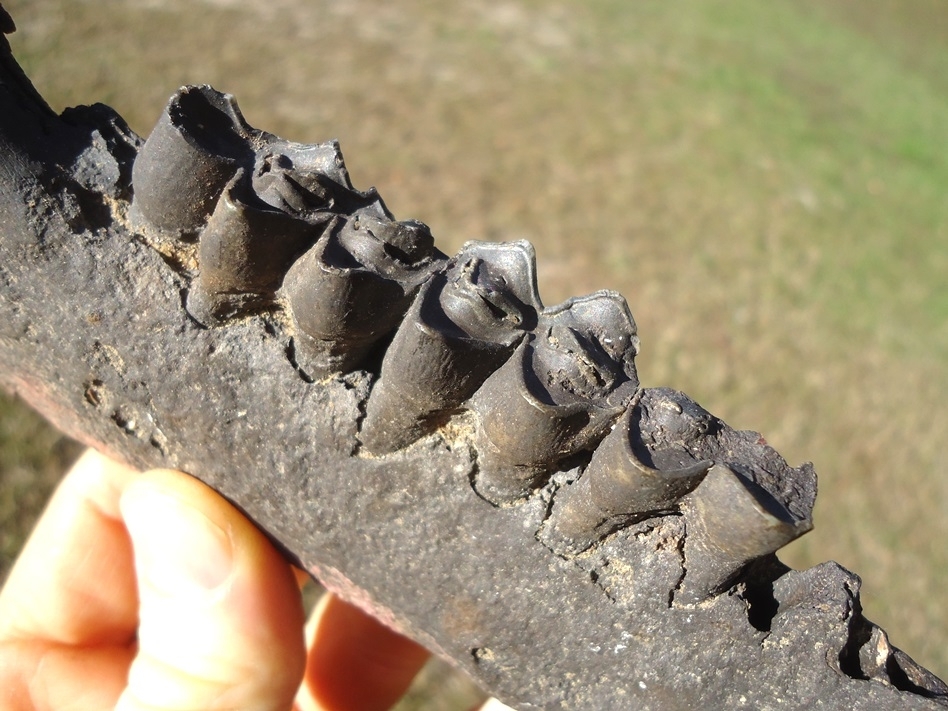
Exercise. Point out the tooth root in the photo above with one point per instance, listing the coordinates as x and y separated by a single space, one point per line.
244 253
616 489
348 291
463 325
559 394
731 522
194 150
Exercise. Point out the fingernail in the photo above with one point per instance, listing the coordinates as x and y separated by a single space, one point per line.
178 549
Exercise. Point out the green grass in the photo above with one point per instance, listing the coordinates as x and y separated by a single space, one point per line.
765 182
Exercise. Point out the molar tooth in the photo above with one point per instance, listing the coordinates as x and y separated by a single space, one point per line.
618 488
353 286
309 180
196 147
559 393
463 325
244 252
731 522
280 185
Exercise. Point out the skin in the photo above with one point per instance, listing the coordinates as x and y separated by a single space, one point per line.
150 592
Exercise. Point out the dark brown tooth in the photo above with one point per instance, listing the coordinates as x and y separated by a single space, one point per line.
352 288
195 149
731 521
244 253
307 181
463 325
559 394
618 488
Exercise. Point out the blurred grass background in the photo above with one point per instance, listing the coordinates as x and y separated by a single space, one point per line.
767 184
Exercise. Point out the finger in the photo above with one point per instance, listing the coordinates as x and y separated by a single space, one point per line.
221 615
46 675
302 577
494 705
73 583
355 663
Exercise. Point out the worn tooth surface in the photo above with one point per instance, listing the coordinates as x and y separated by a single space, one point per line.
560 392
587 347
731 521
194 150
244 253
627 480
463 325
308 181
353 286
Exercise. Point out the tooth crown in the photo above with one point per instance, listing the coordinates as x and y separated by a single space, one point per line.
244 251
626 481
462 326
348 286
586 350
732 522
196 147
353 286
557 396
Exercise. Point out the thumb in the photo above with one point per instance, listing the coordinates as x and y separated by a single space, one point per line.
221 621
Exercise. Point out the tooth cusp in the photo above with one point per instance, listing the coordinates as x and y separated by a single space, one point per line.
311 182
196 147
348 291
618 488
244 252
558 395
463 325
731 522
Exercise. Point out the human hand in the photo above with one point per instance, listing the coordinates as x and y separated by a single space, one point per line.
150 592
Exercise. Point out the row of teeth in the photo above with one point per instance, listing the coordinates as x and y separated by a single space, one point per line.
279 224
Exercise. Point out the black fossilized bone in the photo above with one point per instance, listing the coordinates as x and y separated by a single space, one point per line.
479 470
